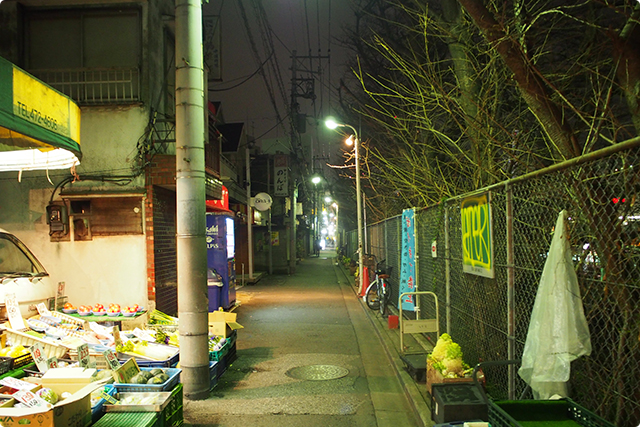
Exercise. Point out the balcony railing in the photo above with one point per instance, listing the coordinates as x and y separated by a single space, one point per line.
91 86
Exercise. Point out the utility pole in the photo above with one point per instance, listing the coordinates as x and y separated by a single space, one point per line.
191 245
300 88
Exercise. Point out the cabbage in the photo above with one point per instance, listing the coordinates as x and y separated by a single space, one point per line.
48 395
453 366
440 350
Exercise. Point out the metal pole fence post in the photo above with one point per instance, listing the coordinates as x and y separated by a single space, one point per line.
510 291
447 268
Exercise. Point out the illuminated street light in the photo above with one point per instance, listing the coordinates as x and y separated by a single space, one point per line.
332 124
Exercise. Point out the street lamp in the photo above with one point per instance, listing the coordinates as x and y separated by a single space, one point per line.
332 124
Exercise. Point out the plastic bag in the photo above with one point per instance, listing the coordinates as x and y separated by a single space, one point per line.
558 331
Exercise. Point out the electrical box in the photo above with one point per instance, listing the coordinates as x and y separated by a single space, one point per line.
57 218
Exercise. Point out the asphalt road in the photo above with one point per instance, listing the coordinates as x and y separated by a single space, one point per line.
310 318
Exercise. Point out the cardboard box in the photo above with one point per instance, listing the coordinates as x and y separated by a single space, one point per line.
222 323
74 411
435 377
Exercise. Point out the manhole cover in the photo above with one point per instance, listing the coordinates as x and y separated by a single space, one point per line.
317 372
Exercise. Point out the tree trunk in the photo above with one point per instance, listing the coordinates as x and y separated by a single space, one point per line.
532 86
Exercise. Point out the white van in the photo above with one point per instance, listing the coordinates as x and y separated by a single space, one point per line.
23 275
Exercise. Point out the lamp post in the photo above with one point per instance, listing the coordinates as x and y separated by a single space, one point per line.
331 124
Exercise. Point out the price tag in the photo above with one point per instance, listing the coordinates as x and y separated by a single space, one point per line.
109 399
112 359
125 372
13 312
52 362
17 384
43 310
30 399
37 352
116 336
83 355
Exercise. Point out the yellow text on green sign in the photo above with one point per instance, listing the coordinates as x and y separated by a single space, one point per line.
477 236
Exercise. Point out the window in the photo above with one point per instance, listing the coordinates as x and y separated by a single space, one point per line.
93 56
105 216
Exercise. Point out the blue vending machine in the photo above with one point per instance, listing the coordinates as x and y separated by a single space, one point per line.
221 275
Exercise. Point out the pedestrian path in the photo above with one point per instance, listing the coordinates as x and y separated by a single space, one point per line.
291 323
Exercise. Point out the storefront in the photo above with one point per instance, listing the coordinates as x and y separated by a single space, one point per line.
39 126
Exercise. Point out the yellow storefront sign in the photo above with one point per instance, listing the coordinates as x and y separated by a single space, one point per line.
41 105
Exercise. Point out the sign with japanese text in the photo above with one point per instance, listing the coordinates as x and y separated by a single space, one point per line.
112 359
127 371
408 260
13 312
477 236
43 310
30 399
280 175
223 203
83 355
37 352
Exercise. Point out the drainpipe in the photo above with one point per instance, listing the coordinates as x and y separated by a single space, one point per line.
190 201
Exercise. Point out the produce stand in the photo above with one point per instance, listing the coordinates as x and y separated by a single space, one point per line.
528 412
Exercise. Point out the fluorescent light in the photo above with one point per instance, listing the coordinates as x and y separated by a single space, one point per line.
34 159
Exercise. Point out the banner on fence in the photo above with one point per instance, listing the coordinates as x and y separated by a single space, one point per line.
477 236
408 264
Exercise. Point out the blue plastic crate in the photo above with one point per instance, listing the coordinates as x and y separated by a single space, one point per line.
145 363
174 378
97 411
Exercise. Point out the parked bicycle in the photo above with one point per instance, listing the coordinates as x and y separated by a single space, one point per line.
378 293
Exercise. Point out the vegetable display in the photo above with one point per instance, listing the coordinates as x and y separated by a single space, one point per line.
446 358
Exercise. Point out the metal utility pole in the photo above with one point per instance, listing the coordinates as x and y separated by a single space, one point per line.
249 214
190 201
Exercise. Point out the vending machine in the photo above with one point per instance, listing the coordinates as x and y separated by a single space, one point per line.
221 274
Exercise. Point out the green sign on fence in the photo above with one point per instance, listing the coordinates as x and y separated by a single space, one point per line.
477 236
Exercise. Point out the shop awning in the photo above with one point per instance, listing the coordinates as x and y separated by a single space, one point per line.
39 126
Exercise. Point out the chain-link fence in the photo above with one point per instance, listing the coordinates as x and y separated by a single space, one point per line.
489 317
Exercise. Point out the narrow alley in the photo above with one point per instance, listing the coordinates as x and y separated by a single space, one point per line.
291 322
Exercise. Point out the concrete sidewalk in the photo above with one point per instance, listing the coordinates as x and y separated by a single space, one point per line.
311 318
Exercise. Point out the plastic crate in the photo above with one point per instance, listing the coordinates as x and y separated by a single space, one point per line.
22 361
26 340
168 363
510 413
20 372
174 378
216 356
213 375
6 365
97 411
172 415
128 419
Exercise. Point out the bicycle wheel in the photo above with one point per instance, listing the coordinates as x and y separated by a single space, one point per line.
372 298
384 297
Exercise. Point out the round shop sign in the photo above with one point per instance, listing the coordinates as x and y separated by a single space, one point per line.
262 202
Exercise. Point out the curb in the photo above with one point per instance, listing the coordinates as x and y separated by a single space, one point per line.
421 407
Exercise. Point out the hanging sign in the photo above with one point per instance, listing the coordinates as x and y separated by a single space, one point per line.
408 261
281 175
262 202
477 236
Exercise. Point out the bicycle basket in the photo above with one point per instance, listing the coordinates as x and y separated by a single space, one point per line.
369 260
384 270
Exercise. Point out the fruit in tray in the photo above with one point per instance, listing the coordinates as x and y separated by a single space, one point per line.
84 310
114 308
69 306
98 308
129 310
136 307
13 351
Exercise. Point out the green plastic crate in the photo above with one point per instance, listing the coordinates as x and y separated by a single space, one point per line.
171 415
542 413
127 419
